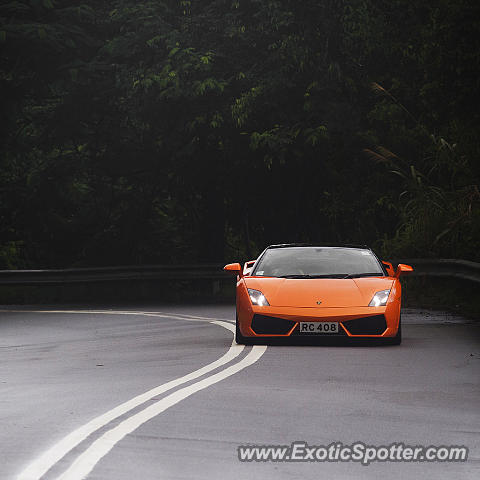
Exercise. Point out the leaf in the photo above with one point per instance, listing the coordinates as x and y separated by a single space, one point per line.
374 155
385 152
378 89
154 41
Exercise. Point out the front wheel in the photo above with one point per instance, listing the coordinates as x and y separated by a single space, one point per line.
397 339
239 338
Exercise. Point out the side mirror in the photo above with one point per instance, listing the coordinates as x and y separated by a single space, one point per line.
247 268
389 268
402 269
235 268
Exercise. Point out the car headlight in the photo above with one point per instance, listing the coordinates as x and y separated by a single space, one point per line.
379 299
257 297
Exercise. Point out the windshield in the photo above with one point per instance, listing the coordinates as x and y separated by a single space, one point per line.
315 262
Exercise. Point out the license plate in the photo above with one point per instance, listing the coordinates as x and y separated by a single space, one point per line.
318 327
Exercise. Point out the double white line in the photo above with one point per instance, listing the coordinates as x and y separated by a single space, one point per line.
87 460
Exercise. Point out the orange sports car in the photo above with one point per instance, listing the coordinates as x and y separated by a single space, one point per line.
300 290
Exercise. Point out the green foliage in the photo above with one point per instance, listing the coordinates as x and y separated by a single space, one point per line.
178 131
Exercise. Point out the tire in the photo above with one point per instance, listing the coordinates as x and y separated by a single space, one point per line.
239 338
397 339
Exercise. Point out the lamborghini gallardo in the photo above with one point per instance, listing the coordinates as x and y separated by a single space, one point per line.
313 291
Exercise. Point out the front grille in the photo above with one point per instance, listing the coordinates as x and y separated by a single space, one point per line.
374 325
263 324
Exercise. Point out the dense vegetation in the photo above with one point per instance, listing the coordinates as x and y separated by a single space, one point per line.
195 131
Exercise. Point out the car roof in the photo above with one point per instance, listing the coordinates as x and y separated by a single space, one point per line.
344 245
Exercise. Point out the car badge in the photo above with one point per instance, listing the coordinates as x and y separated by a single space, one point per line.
319 302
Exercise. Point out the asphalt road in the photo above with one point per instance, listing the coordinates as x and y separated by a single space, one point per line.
70 407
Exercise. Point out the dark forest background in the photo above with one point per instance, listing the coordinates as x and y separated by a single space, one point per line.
200 131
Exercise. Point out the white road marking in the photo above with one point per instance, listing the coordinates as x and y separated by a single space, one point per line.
189 317
85 463
48 459
124 312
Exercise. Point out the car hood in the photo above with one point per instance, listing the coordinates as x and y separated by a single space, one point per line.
331 292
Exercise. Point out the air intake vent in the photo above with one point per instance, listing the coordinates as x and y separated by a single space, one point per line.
374 325
265 325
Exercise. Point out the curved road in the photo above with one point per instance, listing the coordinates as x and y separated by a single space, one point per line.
162 393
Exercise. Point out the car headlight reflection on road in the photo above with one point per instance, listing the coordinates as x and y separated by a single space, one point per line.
379 299
257 297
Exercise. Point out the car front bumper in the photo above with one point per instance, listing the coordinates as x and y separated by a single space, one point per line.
270 321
